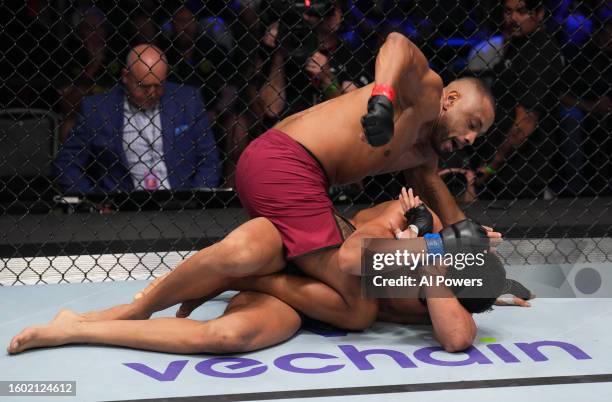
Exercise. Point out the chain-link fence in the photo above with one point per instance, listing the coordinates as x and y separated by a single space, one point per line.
118 158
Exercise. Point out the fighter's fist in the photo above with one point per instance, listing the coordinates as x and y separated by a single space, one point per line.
378 122
465 236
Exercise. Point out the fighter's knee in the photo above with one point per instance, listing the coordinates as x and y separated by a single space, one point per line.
228 339
239 255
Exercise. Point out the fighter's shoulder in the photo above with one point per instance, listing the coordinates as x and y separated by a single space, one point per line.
381 222
378 226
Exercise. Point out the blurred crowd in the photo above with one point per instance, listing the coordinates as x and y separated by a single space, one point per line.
165 95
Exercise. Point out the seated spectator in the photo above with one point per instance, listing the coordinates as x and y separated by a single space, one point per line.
144 135
586 116
29 59
461 183
305 62
90 67
143 28
484 56
197 60
527 93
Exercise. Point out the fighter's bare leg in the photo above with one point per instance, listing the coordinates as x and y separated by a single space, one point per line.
254 248
251 321
327 295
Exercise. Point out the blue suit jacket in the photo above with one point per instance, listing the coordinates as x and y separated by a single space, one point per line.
92 159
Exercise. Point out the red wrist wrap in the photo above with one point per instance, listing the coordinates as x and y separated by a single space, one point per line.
386 90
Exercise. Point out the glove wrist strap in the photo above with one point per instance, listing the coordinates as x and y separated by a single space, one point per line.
434 244
386 90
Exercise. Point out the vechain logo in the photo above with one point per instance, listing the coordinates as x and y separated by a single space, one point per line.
349 355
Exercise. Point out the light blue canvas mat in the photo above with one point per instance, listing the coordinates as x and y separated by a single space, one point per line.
559 349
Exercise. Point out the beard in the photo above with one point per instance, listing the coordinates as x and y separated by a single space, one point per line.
438 136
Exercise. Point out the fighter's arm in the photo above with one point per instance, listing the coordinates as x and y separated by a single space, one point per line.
313 298
349 254
401 65
431 188
386 220
453 326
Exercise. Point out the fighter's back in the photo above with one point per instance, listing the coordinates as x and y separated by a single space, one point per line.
332 131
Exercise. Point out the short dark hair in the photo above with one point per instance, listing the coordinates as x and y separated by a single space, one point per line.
533 5
480 299
481 87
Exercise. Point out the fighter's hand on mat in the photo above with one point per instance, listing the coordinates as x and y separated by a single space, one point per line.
378 123
151 286
509 300
515 294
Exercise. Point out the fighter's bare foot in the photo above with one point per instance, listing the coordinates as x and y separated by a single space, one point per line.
57 332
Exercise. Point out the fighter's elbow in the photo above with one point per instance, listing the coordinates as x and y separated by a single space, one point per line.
457 343
396 38
397 50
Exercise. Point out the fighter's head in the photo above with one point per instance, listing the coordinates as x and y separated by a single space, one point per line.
467 110
478 299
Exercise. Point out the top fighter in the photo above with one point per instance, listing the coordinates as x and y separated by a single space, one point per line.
410 118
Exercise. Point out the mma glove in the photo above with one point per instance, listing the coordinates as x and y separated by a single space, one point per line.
465 236
517 289
377 123
421 218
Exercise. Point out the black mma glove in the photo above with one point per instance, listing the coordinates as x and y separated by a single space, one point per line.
421 218
465 236
517 289
378 122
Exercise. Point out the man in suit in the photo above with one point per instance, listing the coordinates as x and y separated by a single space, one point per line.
144 135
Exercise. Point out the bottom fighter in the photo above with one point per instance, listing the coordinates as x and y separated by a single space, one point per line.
267 310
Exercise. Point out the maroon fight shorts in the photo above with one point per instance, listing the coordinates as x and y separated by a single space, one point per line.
277 178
